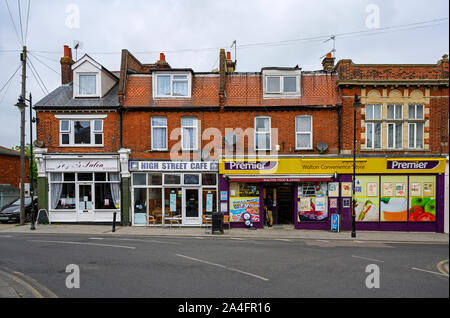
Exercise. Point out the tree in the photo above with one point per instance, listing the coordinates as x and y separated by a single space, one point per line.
31 162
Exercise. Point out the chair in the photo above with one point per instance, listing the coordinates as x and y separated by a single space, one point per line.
174 219
206 219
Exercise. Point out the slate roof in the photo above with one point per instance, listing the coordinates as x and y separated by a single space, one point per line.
62 97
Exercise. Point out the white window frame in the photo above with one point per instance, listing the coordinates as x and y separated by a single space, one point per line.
281 74
171 74
255 145
394 137
373 106
97 85
395 108
415 135
152 134
415 111
71 133
373 134
195 134
304 133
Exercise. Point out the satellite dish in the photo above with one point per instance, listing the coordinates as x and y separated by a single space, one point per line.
322 146
38 143
205 155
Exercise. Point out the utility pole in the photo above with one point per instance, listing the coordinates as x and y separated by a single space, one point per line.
21 105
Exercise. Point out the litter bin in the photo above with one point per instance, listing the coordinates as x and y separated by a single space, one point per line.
217 222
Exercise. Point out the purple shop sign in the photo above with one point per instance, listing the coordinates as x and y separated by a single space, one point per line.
250 166
412 165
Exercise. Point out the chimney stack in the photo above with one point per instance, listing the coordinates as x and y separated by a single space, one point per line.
162 63
231 66
328 63
66 66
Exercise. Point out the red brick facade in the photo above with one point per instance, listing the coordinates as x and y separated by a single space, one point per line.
10 167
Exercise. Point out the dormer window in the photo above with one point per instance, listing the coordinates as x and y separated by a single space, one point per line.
279 83
172 85
87 84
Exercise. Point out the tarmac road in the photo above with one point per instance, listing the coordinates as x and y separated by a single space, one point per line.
218 267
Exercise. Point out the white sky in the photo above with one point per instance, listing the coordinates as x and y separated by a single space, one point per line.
170 25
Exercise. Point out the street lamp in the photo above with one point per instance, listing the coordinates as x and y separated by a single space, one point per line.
356 104
21 105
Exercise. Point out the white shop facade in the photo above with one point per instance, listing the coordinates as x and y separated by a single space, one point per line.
83 188
167 193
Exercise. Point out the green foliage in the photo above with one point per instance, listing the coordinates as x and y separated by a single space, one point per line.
32 162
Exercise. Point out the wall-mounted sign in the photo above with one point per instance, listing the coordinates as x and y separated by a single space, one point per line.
412 165
171 166
250 165
75 165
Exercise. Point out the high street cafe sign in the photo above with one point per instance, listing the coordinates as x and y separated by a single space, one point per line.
288 166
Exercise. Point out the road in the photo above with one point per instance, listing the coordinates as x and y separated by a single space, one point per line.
218 267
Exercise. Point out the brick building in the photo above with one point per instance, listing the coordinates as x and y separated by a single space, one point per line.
10 176
166 146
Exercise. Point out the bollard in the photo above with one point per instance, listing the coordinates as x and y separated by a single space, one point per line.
33 219
114 222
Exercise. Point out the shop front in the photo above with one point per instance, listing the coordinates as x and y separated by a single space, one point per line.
82 188
405 194
179 193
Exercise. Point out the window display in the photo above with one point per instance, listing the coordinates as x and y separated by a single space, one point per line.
422 205
312 201
244 198
367 200
394 201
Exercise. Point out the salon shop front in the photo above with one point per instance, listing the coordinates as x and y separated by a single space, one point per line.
173 193
82 188
392 194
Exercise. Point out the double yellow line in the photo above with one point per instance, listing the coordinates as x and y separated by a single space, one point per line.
38 290
442 266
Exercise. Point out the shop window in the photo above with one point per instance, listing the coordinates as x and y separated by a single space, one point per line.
104 198
172 179
84 176
191 179
367 199
69 176
209 179
159 133
312 201
244 198
422 199
209 200
154 205
63 196
394 198
155 178
139 179
140 206
100 176
172 205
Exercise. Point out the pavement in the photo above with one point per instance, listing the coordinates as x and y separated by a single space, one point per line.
276 232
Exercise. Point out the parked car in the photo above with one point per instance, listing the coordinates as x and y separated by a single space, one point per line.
11 212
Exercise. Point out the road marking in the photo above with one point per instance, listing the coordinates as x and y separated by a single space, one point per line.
23 283
368 259
40 286
284 240
323 241
96 238
80 243
5 236
442 266
236 238
418 269
146 241
224 267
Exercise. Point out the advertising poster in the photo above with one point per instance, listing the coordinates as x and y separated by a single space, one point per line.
388 189
333 189
416 189
394 205
209 202
422 208
223 195
367 207
308 209
238 206
173 201
346 189
333 203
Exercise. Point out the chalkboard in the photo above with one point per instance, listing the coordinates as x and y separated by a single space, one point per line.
42 217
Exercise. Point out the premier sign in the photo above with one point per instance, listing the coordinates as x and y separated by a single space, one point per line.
250 166
412 165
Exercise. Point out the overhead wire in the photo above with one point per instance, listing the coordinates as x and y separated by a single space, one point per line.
10 77
28 19
36 76
12 21
20 21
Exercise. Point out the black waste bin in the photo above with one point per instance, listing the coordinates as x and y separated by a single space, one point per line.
217 222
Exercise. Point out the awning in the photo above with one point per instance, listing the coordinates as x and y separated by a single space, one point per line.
280 178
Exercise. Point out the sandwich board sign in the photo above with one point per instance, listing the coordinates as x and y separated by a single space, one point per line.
335 222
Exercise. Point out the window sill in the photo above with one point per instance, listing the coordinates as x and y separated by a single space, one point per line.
395 150
280 95
171 97
157 151
79 146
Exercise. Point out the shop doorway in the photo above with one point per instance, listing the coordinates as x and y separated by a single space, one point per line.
282 197
192 206
85 211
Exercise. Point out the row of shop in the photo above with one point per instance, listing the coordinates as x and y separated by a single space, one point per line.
404 194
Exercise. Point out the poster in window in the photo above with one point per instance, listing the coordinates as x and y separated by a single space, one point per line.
416 189
320 204
305 204
209 202
400 189
372 189
333 190
388 189
239 206
428 189
358 188
223 207
223 195
346 203
333 203
173 201
346 189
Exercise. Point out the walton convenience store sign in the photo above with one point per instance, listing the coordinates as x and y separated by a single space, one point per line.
288 166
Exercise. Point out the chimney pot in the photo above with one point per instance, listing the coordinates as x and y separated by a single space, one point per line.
228 56
162 57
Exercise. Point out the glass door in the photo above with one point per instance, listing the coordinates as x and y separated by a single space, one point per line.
85 211
192 206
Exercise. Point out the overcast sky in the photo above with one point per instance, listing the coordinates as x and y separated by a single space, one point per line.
148 27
